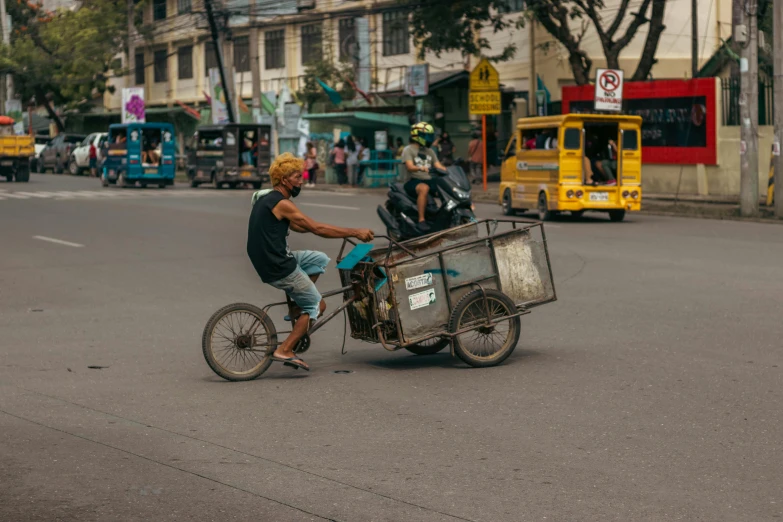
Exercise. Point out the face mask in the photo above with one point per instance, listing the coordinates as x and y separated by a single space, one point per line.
295 191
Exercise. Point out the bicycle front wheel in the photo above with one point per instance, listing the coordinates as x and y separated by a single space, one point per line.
238 342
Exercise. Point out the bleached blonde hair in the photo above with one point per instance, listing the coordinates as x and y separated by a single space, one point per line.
283 166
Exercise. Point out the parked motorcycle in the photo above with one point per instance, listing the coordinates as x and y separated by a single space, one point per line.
400 213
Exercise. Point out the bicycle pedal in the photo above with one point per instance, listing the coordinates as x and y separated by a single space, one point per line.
303 345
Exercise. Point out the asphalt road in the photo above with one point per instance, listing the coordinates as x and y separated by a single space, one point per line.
651 390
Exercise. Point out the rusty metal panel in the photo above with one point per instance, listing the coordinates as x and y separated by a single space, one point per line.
471 263
420 296
524 272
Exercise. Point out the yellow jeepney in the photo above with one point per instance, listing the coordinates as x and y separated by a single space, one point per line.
574 163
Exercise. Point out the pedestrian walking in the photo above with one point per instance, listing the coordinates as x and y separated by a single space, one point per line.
338 157
476 155
311 164
93 160
352 150
364 156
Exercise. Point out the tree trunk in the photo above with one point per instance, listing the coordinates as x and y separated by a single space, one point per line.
612 59
580 66
40 97
656 27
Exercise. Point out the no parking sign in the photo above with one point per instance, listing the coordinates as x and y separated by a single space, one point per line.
609 90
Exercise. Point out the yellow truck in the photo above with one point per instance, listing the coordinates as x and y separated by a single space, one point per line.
15 152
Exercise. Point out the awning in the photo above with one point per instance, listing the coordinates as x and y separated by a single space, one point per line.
360 119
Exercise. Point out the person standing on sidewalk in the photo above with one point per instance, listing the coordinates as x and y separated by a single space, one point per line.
311 164
364 155
352 150
93 160
338 155
476 155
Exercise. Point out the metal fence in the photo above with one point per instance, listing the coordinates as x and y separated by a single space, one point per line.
730 89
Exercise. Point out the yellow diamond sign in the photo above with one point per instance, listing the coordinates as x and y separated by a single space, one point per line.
484 77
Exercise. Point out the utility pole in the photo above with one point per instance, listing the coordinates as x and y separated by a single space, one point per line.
777 13
3 77
216 41
131 45
749 111
694 38
255 66
532 102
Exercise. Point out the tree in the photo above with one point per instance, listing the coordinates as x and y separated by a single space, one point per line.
331 74
441 26
67 57
557 17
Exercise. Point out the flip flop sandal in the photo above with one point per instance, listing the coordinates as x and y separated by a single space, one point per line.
291 362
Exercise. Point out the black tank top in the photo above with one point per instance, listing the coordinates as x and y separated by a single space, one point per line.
267 240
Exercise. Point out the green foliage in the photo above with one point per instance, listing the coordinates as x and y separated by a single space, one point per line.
440 26
65 57
335 75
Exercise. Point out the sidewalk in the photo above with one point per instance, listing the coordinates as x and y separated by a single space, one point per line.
708 207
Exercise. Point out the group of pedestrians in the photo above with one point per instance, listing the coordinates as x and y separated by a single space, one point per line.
347 157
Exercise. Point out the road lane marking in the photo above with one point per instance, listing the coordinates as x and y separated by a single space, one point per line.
58 241
339 207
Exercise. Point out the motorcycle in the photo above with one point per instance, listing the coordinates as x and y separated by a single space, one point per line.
400 213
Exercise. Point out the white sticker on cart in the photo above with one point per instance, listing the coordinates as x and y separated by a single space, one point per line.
419 281
422 299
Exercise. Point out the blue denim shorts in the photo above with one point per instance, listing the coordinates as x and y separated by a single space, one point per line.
298 285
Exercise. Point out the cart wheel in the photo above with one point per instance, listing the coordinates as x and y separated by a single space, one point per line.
428 347
484 345
228 346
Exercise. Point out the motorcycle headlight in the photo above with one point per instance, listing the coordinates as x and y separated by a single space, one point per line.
451 205
462 194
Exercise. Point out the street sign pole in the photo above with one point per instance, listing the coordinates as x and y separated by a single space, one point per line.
484 145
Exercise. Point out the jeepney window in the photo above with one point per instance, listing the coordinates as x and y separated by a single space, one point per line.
572 139
210 140
248 145
630 140
151 148
118 136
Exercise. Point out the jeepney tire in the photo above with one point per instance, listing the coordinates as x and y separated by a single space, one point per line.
161 185
257 185
9 178
498 302
194 184
577 214
616 215
544 214
429 347
22 175
508 209
265 323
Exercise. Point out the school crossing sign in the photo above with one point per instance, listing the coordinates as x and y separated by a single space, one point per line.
609 90
484 96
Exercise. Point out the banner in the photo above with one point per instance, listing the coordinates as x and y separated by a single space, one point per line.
133 105
218 106
417 80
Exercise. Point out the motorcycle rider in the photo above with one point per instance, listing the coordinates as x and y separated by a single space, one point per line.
419 158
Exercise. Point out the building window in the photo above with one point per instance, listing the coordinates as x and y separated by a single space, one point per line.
395 33
512 6
312 44
274 49
185 62
159 9
210 58
242 54
160 66
183 6
347 36
139 68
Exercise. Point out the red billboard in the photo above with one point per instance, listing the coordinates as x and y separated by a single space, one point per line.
678 117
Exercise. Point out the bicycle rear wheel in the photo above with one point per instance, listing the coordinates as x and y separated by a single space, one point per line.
238 342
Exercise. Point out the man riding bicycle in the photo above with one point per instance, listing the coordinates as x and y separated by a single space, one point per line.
418 158
296 272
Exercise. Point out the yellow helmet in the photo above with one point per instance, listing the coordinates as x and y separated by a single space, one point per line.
423 134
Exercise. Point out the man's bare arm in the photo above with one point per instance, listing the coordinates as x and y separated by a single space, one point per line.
287 210
297 228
